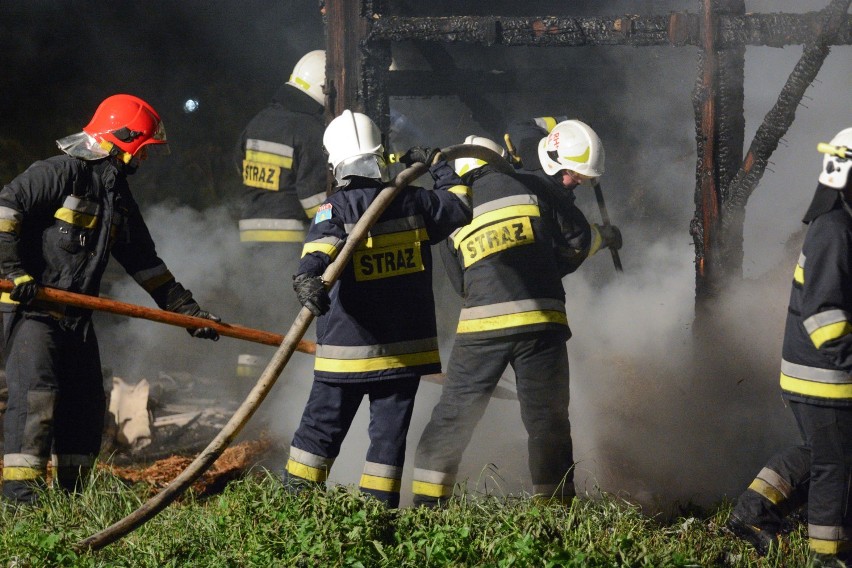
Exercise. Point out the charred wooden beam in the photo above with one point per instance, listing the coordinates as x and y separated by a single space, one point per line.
774 30
776 123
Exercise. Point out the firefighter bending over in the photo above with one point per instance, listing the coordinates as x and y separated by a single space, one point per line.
816 381
378 332
508 266
59 222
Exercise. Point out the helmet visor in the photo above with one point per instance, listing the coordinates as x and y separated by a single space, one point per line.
364 165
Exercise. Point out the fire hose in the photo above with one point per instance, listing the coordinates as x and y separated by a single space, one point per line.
282 355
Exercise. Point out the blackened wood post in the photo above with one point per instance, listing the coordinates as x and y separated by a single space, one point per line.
356 69
720 129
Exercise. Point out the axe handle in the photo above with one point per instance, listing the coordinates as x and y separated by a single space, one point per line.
616 260
84 301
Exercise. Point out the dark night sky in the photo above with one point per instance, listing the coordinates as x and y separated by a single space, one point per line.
60 59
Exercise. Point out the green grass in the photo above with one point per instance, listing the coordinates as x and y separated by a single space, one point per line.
256 523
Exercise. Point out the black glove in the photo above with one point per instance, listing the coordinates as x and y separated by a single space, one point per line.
205 332
418 154
25 290
311 293
191 308
610 236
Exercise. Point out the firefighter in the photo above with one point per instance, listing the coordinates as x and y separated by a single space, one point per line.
535 152
507 265
59 222
283 172
378 334
816 381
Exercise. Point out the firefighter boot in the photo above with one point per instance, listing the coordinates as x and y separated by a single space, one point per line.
761 539
22 492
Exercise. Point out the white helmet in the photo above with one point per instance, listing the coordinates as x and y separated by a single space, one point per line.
354 146
835 169
309 75
464 165
572 145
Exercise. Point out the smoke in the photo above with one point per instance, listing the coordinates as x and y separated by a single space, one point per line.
660 413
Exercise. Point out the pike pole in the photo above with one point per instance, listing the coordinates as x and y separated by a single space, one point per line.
279 360
84 301
616 259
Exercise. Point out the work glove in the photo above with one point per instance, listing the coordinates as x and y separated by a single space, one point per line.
605 236
25 290
311 293
418 154
191 308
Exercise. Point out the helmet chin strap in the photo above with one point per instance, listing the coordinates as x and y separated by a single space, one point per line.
116 152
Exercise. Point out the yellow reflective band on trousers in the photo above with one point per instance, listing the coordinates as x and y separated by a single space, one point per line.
431 489
761 487
377 363
377 483
829 539
512 320
306 472
12 473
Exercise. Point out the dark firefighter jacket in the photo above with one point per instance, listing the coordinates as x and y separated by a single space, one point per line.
817 354
381 324
283 168
59 222
508 263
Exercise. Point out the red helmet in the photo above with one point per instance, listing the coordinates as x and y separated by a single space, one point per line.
128 122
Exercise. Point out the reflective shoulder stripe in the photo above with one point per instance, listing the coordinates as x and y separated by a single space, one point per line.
152 278
828 325
491 216
799 272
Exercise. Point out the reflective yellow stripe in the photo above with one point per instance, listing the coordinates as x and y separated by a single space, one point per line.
431 489
812 388
548 121
5 298
512 320
827 546
271 159
396 238
377 363
9 226
380 483
768 491
76 218
492 216
496 238
829 332
266 235
330 250
597 240
306 472
799 275
12 473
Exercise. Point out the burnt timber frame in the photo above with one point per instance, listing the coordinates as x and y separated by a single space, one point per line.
358 39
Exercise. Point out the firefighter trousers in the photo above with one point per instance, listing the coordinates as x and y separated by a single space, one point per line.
328 414
56 401
818 472
540 362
